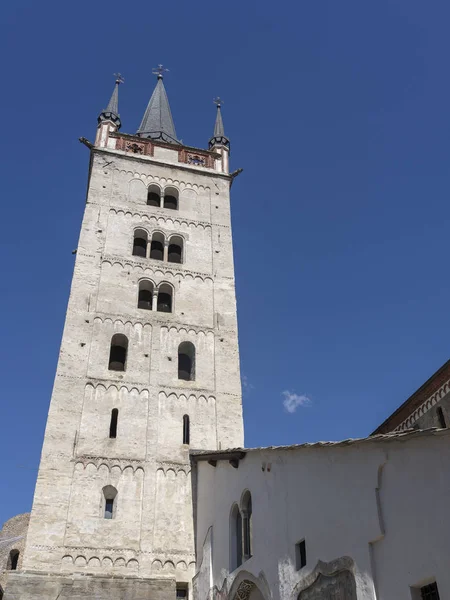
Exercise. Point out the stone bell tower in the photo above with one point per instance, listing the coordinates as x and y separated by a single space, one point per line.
148 368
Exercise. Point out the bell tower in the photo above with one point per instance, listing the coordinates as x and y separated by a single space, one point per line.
148 368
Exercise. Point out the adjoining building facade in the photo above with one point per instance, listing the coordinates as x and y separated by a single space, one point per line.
145 490
429 406
360 519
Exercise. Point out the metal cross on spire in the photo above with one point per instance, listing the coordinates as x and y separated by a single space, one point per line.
218 102
159 71
119 78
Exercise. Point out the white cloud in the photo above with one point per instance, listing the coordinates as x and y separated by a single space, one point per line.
292 401
247 386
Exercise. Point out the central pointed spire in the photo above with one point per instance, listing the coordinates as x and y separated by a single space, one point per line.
157 122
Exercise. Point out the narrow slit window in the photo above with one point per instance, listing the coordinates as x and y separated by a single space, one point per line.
186 429
110 498
113 423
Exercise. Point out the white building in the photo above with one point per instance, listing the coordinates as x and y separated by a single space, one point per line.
359 519
149 370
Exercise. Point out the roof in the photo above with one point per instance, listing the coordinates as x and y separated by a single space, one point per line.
157 122
373 439
415 400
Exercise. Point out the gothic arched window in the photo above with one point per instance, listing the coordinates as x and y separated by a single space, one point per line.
157 246
109 496
154 196
186 429
171 198
118 352
175 254
186 361
441 417
113 423
164 298
140 243
13 560
247 525
235 538
145 297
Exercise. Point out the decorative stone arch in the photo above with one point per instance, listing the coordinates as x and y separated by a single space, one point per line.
328 581
248 587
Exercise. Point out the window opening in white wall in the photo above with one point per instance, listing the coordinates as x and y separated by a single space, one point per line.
300 555
182 591
429 592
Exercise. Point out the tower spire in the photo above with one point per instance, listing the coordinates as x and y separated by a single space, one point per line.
157 122
111 112
219 138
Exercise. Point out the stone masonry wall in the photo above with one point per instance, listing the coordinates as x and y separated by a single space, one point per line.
14 530
151 534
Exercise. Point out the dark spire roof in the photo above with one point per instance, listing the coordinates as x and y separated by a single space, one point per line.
219 138
157 122
111 112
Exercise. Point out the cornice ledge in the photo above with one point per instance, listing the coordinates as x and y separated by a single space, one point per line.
424 407
154 161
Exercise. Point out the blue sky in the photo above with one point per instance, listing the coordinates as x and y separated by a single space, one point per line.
339 114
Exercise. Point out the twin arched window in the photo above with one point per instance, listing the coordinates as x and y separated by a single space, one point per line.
151 297
157 246
168 198
241 532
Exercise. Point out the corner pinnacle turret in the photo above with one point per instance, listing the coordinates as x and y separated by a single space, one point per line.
219 138
111 112
157 122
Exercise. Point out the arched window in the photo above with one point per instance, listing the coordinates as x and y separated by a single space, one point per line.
175 254
113 423
247 525
441 417
118 352
140 243
235 538
186 427
145 297
164 298
110 501
186 361
154 196
13 560
157 246
171 198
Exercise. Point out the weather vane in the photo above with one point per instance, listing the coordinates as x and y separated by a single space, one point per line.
218 101
119 78
159 70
